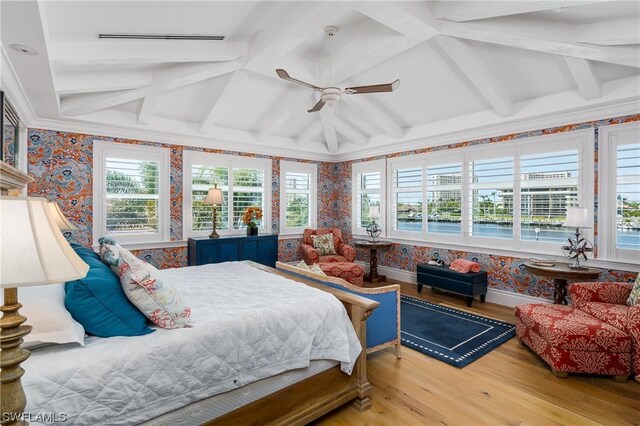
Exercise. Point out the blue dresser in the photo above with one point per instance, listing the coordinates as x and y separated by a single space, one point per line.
260 248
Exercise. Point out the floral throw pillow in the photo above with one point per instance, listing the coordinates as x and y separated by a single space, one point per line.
316 269
148 289
303 265
634 297
323 244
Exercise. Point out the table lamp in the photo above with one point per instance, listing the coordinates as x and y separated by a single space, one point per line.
214 198
61 221
577 217
374 230
33 252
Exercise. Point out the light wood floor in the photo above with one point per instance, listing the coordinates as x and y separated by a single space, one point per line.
510 385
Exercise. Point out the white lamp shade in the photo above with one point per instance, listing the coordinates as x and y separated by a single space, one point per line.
32 249
61 221
374 212
214 196
577 217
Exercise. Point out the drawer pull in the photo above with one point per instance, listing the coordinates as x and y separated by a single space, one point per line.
250 255
229 258
210 259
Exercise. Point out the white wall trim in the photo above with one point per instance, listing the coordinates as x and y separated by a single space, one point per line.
499 297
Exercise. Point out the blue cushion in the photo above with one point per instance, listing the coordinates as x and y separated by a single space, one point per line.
99 303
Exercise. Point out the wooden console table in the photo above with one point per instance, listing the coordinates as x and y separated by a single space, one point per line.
562 274
373 276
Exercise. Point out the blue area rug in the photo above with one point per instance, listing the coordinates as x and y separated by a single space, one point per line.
455 337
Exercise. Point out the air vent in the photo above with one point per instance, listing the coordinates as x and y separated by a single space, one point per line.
163 36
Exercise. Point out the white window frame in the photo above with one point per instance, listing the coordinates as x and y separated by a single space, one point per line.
368 167
104 149
189 158
609 136
394 164
298 167
583 140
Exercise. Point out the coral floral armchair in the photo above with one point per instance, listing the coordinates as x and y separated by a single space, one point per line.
341 264
606 301
344 253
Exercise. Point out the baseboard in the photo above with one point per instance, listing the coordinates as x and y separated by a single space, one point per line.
499 297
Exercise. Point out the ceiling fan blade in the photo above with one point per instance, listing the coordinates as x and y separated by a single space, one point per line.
285 76
375 88
318 106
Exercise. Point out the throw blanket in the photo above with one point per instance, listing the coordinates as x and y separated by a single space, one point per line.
464 266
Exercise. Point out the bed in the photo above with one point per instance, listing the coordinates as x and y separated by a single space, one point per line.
263 349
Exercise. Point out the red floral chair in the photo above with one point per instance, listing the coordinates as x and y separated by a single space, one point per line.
599 334
339 265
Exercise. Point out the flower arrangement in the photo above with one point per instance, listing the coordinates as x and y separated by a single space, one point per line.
251 215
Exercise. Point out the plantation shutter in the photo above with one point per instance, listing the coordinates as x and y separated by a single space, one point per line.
203 178
298 199
444 198
627 198
407 199
132 195
369 194
248 190
491 195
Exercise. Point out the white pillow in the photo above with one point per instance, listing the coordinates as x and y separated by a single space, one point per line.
43 306
303 265
152 293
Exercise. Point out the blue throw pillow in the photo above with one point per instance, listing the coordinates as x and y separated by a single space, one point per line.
98 302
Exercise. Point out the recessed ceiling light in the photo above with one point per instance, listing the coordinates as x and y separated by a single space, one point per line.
21 48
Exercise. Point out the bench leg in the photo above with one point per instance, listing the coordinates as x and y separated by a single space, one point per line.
419 288
621 379
559 374
469 301
483 297
398 351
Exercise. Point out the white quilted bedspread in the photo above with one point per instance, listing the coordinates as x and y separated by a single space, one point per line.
247 325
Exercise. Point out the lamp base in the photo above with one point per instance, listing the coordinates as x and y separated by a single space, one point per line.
12 398
578 267
214 234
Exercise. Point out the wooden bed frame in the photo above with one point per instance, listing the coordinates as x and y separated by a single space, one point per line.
315 396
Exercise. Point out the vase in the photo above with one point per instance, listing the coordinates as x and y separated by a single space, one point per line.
252 231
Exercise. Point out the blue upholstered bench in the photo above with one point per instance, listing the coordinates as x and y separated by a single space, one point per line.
441 277
383 326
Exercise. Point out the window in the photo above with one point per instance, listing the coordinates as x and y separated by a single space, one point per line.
131 192
298 196
243 181
619 192
511 195
368 190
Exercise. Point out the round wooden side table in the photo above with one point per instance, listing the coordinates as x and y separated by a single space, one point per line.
562 274
373 276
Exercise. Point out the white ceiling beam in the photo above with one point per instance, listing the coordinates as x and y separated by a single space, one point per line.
540 44
582 71
289 29
374 115
69 83
329 128
294 101
472 65
610 33
109 52
146 109
469 11
221 101
163 82
407 18
312 130
350 132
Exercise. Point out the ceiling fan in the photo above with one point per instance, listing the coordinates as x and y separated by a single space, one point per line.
329 95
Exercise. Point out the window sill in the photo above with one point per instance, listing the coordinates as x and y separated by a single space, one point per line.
524 254
292 236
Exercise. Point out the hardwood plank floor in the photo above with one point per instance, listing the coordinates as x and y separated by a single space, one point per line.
510 385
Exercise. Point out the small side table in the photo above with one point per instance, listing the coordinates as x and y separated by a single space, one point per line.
562 274
373 276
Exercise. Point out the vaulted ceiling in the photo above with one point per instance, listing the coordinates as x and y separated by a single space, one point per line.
462 66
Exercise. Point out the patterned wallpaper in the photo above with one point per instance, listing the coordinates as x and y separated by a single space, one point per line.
61 164
8 144
62 167
505 273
